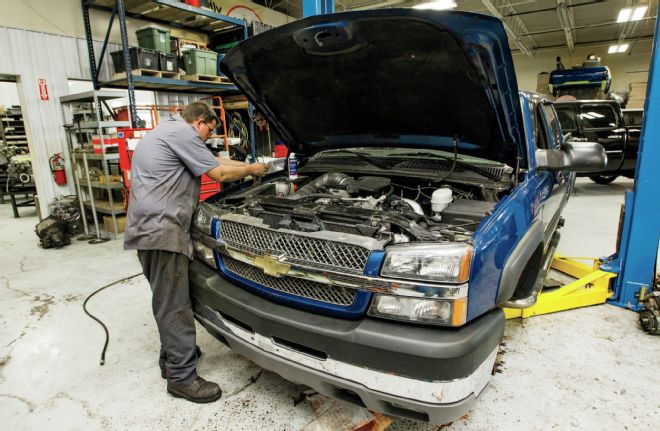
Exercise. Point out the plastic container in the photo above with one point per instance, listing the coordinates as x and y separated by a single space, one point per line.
200 62
440 199
279 149
168 62
154 37
141 58
293 166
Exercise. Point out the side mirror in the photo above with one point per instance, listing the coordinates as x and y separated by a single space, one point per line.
574 157
568 136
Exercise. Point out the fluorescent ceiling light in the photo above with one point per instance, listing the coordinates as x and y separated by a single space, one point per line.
437 5
624 14
638 13
614 49
632 14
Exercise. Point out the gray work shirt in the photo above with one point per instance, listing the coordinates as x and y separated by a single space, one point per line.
165 184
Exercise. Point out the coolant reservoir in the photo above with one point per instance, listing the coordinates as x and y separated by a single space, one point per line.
440 199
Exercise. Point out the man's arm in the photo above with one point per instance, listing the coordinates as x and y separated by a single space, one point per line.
225 172
230 162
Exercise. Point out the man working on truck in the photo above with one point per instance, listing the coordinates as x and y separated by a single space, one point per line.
166 167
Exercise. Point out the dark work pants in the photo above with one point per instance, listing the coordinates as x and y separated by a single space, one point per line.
167 273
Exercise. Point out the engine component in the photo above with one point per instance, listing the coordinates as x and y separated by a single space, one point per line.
440 199
463 211
66 208
53 232
649 317
414 205
19 170
338 181
283 188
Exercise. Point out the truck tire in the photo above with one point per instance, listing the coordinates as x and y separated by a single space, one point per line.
603 178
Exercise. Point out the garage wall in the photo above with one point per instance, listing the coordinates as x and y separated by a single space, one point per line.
8 94
625 68
31 56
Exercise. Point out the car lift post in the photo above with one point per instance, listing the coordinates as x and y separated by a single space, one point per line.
636 259
317 7
633 265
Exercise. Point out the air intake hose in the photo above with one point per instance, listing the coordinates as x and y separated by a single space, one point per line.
331 179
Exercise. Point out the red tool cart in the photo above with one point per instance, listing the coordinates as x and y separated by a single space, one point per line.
129 137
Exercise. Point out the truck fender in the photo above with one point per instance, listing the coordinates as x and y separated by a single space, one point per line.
518 259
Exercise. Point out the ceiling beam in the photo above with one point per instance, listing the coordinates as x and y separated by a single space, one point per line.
513 25
567 21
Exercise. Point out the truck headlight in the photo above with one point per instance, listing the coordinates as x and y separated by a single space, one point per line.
446 312
202 218
204 253
447 263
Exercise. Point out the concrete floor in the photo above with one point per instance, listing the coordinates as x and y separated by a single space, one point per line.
581 369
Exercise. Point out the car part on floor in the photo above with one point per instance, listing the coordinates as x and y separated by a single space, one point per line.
649 317
105 328
53 232
590 288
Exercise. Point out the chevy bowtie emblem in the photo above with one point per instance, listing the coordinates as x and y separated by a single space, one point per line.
272 265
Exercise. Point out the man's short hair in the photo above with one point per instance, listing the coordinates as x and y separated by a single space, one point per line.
196 110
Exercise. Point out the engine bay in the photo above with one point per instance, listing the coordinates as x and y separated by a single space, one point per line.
390 210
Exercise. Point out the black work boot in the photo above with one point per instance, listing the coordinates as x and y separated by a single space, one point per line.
199 391
161 362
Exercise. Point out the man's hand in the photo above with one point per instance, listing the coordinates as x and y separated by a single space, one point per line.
258 169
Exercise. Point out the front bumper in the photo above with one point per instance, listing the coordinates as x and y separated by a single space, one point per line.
422 373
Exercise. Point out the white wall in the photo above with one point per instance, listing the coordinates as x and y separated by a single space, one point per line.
9 94
625 68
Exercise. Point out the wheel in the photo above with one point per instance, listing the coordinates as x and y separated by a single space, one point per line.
603 179
649 322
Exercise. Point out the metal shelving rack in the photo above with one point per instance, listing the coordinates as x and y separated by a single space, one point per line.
168 12
13 128
80 160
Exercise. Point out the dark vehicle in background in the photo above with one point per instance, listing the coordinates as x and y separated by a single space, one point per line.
602 121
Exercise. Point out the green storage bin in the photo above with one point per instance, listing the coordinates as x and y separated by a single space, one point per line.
200 62
154 37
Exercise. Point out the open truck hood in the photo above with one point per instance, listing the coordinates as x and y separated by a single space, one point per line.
393 78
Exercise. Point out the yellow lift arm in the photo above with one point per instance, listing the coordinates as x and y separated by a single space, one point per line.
592 287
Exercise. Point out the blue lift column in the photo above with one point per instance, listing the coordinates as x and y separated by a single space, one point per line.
641 224
317 7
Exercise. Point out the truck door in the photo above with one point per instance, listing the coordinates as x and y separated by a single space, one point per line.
550 136
603 124
568 119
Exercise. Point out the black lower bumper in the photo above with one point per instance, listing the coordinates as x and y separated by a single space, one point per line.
418 352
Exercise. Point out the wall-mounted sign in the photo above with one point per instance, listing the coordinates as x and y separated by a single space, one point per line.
43 89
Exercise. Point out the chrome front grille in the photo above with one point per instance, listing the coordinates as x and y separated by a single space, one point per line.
293 286
314 252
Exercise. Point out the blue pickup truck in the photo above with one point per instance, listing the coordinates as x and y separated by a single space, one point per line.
429 196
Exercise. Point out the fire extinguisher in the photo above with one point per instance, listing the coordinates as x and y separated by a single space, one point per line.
57 169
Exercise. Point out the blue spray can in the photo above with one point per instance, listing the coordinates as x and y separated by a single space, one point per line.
293 166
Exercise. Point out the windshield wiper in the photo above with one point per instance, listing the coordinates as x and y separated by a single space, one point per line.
458 163
372 161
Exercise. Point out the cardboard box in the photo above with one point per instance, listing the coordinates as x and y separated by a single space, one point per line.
110 179
121 224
